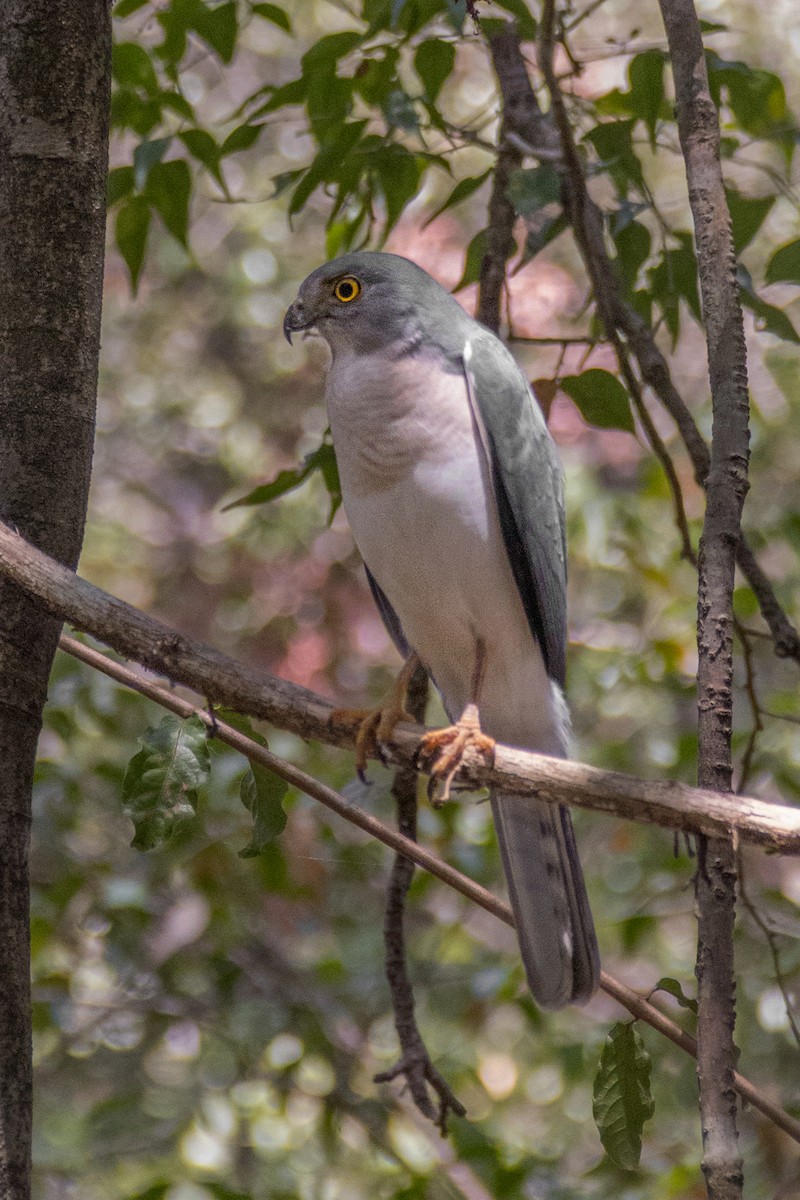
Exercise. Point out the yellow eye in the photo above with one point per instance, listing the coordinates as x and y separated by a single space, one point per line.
347 289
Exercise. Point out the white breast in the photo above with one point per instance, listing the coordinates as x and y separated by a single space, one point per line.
418 495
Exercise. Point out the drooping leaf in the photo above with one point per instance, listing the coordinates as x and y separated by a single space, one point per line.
217 27
203 147
462 191
262 793
646 76
145 156
784 266
673 987
613 142
747 216
130 232
399 173
530 190
241 138
132 67
168 189
632 240
327 165
161 783
472 261
674 278
601 399
323 459
433 62
622 1097
271 12
119 185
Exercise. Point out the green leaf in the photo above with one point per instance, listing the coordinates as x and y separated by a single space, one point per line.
119 185
632 240
646 76
601 399
433 62
262 793
145 156
124 8
131 66
522 14
271 12
241 138
530 190
169 187
400 112
130 231
613 142
784 266
666 984
217 27
160 787
323 459
756 98
747 216
674 278
399 173
327 165
294 92
622 1097
202 146
462 191
541 233
769 319
472 260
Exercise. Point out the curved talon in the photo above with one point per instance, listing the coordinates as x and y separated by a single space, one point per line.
375 728
441 752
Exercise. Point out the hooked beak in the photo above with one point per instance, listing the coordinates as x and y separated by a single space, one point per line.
295 320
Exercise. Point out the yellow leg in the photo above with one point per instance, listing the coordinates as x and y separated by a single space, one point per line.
376 725
441 752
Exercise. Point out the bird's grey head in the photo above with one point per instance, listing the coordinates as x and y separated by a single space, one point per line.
368 301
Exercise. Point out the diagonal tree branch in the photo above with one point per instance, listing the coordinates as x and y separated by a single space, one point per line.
537 134
637 1005
726 488
222 680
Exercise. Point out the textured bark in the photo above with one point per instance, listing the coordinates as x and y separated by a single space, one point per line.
54 81
415 1065
500 244
225 681
637 1005
726 488
538 135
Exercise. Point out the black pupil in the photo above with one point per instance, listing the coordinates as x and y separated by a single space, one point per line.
346 291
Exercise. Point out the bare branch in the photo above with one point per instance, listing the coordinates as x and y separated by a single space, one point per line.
538 134
415 1064
637 1005
726 488
222 680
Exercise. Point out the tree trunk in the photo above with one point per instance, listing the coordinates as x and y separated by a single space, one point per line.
54 86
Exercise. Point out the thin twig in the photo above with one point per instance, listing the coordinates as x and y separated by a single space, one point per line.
774 949
637 1005
415 1064
538 135
223 680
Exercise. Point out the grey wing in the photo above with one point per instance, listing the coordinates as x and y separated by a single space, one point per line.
388 615
529 492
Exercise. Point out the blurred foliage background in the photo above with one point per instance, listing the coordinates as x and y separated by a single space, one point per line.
207 1026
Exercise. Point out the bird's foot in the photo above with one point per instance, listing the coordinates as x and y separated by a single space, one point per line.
375 727
441 752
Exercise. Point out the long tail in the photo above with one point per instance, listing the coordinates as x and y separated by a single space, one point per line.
548 896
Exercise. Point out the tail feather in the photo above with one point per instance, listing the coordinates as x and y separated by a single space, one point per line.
548 897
